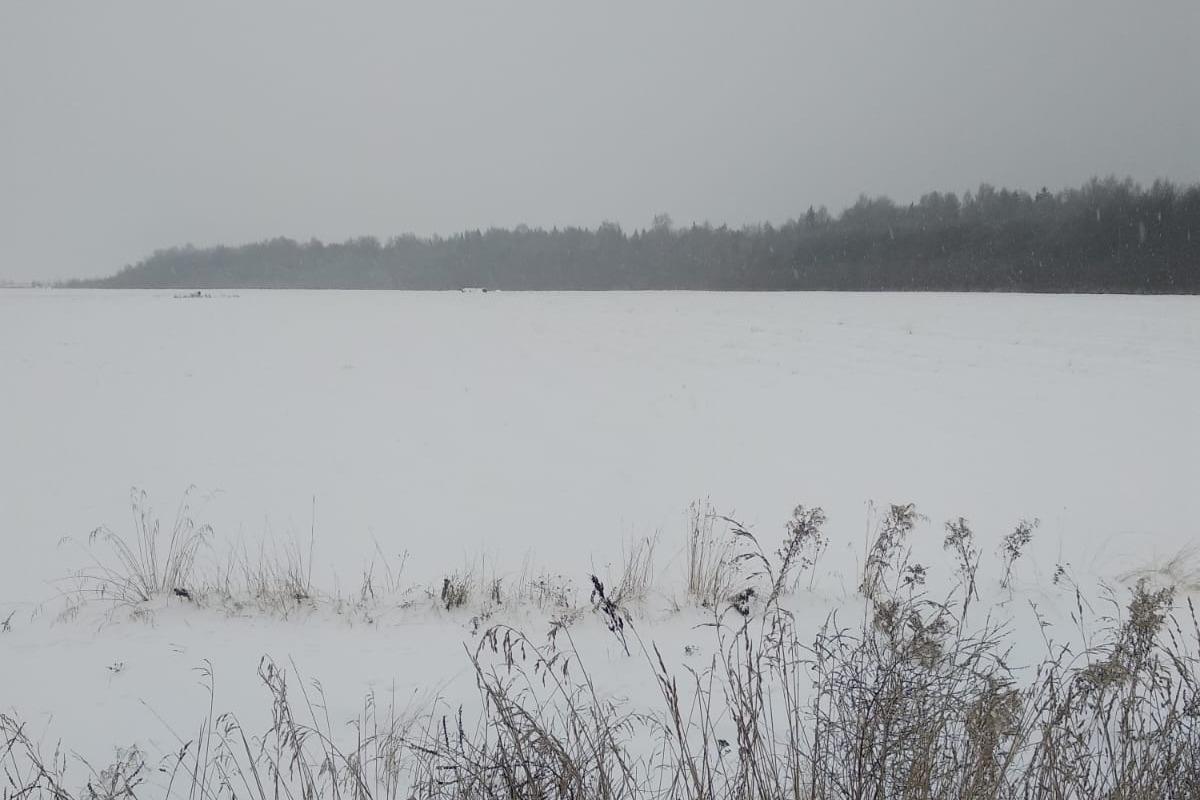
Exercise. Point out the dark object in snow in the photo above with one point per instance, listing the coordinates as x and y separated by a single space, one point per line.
740 602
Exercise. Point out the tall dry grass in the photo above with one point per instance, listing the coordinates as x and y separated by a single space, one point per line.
911 700
148 562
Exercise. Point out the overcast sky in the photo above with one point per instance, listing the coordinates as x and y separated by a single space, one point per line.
130 126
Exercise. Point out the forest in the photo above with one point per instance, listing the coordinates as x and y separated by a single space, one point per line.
1109 235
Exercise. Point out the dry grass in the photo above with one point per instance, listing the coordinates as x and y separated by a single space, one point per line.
635 578
887 547
910 702
1181 570
713 565
150 562
278 577
275 576
1013 546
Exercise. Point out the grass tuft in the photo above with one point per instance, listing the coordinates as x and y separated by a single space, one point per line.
713 564
149 563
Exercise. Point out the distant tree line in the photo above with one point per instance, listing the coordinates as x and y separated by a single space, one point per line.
1106 236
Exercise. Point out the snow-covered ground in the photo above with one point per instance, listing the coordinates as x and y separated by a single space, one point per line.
549 429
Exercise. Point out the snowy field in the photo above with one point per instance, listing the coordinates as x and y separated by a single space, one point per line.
545 432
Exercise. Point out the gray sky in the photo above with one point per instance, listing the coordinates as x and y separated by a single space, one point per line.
129 126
